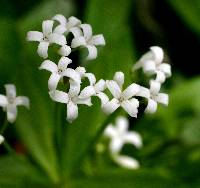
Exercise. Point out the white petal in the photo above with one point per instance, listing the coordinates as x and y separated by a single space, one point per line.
134 138
149 67
72 74
86 101
49 65
11 113
119 78
143 92
78 41
100 86
165 68
91 78
98 40
81 71
74 89
64 62
87 31
43 49
131 107
34 36
53 81
154 87
130 91
10 90
127 162
87 92
151 106
116 145
72 111
110 131
111 106
137 65
103 97
76 31
73 21
158 54
59 96
60 18
47 27
3 101
57 39
160 77
122 124
1 139
92 52
64 50
114 88
162 98
22 100
60 29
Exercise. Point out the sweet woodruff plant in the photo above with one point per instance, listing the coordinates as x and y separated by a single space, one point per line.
57 31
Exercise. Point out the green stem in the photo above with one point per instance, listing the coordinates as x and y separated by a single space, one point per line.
95 139
5 125
9 149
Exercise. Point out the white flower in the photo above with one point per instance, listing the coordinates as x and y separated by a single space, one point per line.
121 98
119 135
89 41
1 139
46 37
72 99
152 63
156 97
10 102
70 25
59 71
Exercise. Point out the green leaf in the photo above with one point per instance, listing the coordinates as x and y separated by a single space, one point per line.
110 19
16 171
126 179
188 11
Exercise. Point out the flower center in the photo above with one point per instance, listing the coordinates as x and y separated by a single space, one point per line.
11 100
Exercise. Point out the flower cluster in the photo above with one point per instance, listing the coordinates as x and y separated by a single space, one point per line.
55 31
152 64
119 136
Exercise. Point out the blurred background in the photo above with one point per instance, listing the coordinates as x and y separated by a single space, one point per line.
171 153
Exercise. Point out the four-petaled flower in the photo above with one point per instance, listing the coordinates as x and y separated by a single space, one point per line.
46 37
72 99
121 98
152 63
119 135
88 40
59 71
10 102
156 97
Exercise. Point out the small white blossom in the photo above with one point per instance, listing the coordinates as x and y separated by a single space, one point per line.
121 98
72 99
1 139
89 41
119 135
67 25
10 102
152 63
156 97
46 37
59 71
